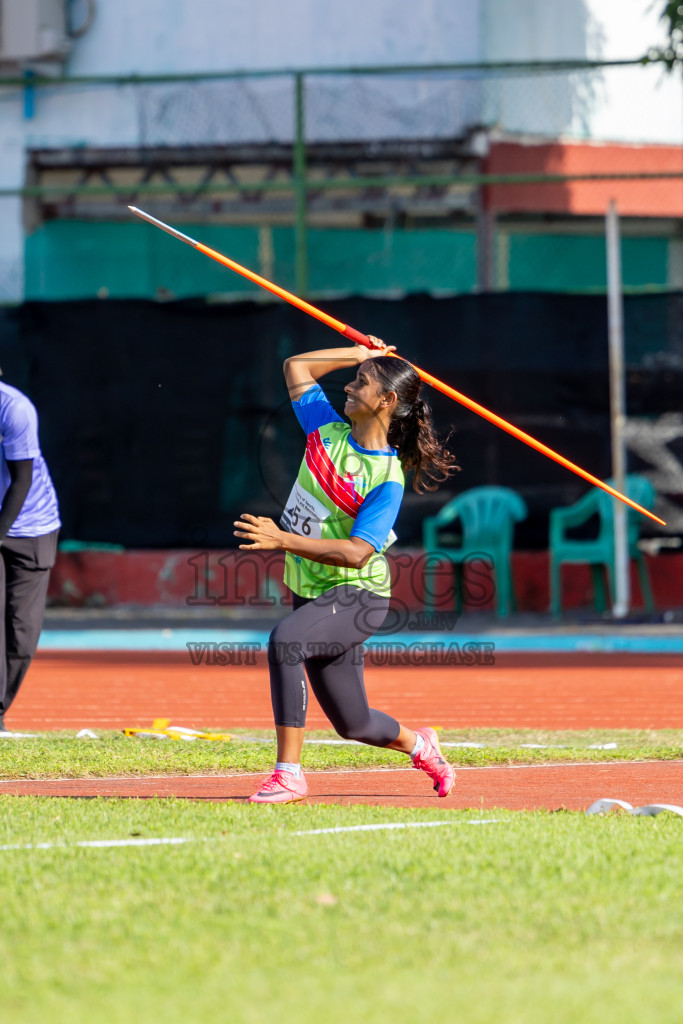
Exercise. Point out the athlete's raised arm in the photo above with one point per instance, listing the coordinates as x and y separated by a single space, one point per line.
304 370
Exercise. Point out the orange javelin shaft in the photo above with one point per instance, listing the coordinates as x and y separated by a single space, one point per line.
348 332
528 439
363 339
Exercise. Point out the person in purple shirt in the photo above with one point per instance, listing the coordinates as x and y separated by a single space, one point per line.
29 526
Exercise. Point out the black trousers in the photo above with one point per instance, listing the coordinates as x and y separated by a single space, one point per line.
25 565
323 636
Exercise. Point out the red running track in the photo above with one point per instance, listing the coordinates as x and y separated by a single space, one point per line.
69 690
571 786
73 690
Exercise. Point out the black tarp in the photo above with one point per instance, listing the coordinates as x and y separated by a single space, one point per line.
162 422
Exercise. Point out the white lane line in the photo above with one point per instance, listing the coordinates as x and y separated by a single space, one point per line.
178 840
459 746
106 779
99 843
395 824
88 734
560 764
458 768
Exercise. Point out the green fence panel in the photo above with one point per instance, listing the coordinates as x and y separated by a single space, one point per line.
78 259
363 262
561 262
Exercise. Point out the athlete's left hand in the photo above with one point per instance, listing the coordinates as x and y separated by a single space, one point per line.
261 531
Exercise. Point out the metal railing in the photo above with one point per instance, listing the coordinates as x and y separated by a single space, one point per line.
302 130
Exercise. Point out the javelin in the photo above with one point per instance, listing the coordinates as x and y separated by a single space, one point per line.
362 339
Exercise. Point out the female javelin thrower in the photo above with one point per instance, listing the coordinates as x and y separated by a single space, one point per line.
336 526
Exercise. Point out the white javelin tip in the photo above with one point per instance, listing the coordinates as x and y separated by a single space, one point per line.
164 227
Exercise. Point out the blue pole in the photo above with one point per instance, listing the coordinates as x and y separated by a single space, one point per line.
29 95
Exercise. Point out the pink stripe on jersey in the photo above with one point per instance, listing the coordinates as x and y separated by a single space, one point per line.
347 486
341 492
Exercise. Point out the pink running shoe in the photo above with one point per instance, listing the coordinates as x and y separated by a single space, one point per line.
431 760
281 788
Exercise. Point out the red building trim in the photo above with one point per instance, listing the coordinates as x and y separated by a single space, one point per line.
645 198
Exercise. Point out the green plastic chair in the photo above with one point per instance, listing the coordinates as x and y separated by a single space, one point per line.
599 553
487 517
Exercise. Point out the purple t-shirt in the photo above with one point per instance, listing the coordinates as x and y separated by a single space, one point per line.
19 440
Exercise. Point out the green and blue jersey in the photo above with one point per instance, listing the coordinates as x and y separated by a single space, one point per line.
341 491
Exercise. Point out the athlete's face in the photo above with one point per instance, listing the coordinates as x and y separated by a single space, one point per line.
364 395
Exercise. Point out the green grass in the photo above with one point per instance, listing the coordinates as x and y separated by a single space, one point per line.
50 755
537 918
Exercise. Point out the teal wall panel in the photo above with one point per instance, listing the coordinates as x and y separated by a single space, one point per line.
76 259
383 261
562 262
70 260
644 262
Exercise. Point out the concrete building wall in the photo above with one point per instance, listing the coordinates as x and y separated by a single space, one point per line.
205 35
160 36
629 104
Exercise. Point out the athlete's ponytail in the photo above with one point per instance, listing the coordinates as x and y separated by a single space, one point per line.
411 430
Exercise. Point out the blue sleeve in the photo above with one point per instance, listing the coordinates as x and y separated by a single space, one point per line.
313 409
20 432
378 514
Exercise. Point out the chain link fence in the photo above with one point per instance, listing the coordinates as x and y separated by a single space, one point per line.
632 103
381 182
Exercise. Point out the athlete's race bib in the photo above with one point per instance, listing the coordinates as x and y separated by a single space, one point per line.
303 514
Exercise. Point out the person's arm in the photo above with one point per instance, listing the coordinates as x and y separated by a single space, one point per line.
304 370
266 536
21 475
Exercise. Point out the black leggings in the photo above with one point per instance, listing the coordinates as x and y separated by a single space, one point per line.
325 635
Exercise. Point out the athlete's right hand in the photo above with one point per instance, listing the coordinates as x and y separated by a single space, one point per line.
261 531
378 349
